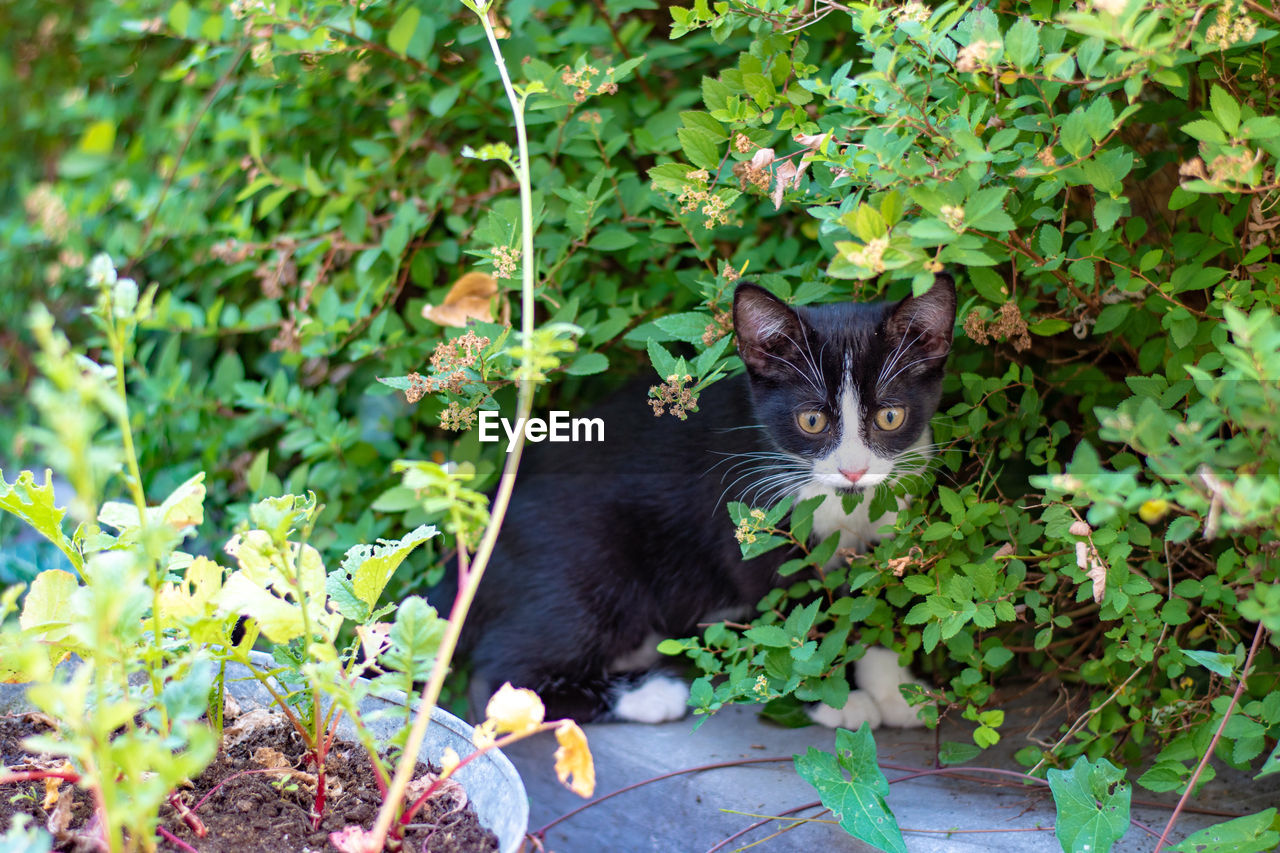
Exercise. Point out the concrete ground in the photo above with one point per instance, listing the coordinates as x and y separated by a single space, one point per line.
692 813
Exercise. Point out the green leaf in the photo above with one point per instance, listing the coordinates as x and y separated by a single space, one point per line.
688 326
415 636
99 137
1048 326
34 505
953 752
1205 131
48 604
1225 109
1215 662
662 361
400 35
587 364
851 785
1248 834
1022 43
1182 528
613 239
769 635
701 147
370 566
1093 805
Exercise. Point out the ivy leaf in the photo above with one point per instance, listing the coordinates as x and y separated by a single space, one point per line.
1093 805
1248 834
34 505
851 785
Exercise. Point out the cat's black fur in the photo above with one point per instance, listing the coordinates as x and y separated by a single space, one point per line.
606 545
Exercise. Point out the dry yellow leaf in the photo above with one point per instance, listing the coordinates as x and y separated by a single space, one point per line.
514 709
573 758
469 299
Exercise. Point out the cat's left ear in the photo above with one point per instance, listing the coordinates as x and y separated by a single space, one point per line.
926 322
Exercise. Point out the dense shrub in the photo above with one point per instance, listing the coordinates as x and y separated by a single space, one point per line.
1101 179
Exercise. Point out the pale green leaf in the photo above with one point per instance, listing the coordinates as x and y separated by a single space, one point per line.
34 505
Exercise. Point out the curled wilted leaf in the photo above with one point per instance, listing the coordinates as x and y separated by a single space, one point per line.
468 299
573 758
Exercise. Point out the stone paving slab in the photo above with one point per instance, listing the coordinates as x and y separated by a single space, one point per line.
692 813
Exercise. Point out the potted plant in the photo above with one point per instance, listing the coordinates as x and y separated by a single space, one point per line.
155 632
161 639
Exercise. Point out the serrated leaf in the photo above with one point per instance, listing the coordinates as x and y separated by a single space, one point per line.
1224 109
1093 805
851 785
34 505
370 566
1248 834
688 326
769 635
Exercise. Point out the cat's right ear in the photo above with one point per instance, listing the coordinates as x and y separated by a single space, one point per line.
769 332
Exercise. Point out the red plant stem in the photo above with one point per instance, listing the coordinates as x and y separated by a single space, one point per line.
218 786
1208 753
36 775
175 840
188 817
317 807
407 817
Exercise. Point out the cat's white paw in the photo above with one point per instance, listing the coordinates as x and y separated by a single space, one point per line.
879 674
859 709
657 699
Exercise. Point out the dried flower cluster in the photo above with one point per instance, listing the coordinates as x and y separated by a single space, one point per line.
975 55
505 259
953 216
1232 25
48 210
1008 324
274 278
1225 168
457 417
871 255
230 251
695 195
672 395
913 11
584 82
721 324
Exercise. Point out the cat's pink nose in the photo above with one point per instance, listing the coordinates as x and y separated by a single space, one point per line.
853 476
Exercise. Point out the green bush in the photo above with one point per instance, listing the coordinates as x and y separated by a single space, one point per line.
1102 179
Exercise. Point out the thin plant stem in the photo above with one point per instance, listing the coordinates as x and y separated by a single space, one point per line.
466 593
1208 753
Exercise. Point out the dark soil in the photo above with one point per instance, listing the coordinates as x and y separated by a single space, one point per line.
245 812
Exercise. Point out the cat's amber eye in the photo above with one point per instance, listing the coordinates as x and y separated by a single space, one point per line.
812 422
891 418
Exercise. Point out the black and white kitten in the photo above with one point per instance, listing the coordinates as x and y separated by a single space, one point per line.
608 547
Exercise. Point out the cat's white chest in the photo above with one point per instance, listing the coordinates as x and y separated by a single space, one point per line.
857 529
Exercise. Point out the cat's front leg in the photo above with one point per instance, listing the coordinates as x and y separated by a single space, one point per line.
877 699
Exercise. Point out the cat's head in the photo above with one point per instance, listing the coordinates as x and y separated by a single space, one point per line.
848 388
